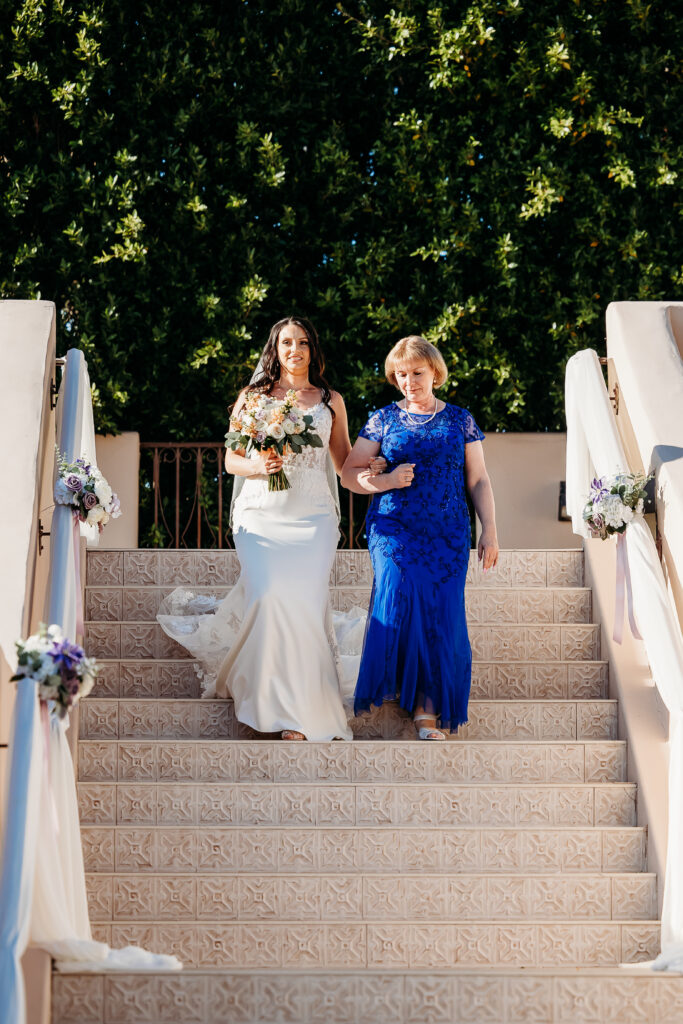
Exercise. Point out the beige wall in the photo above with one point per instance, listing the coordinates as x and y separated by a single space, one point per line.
27 350
27 353
525 471
118 457
645 350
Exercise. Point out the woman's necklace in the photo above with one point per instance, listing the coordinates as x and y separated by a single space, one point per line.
419 423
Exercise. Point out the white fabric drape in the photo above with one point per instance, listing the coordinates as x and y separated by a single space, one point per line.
59 916
84 446
594 448
19 855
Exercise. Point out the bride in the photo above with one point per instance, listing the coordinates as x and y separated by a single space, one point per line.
270 644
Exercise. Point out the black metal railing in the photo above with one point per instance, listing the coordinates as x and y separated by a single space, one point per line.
185 495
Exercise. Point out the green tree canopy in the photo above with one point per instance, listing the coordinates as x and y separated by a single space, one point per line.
177 176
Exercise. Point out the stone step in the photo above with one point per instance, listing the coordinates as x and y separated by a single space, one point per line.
457 996
215 719
532 642
393 945
139 567
333 898
367 850
551 680
501 605
380 761
334 806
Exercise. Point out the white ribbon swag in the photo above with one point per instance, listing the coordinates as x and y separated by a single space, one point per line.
594 448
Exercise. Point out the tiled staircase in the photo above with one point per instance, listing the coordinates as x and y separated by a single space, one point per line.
498 877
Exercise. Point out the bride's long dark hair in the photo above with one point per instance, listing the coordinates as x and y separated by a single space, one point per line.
270 361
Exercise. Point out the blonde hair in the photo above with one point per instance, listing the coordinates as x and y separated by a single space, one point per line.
415 348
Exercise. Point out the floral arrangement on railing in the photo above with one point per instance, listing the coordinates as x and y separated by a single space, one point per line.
63 672
81 485
614 502
266 422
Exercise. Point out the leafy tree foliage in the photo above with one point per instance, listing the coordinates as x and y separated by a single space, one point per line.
177 176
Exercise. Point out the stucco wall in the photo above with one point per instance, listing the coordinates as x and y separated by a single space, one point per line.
27 347
643 718
525 471
27 353
645 349
118 456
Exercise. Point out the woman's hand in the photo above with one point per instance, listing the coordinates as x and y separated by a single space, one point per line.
267 462
487 549
402 476
377 465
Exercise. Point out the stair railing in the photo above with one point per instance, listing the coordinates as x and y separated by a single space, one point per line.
594 448
42 882
29 901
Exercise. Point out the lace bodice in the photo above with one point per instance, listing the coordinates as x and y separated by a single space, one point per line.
433 510
306 472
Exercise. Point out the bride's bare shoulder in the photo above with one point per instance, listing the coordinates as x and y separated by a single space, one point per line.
336 400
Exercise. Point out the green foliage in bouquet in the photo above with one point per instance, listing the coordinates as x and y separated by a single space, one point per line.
178 176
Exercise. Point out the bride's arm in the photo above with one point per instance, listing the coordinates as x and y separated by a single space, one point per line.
340 443
262 464
358 478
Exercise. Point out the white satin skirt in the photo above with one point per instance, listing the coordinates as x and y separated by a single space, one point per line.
271 644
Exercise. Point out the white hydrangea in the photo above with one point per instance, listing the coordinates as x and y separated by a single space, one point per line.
103 491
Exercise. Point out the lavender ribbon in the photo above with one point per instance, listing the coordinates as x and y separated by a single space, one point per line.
624 593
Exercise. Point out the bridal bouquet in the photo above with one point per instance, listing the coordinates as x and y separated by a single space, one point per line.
60 668
614 502
265 422
83 487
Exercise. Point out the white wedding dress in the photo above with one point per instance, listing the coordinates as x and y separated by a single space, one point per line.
271 643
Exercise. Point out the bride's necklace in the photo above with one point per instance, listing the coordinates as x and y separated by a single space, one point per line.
420 423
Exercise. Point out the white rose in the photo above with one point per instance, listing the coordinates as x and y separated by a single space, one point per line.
260 426
289 427
276 431
95 515
614 511
103 492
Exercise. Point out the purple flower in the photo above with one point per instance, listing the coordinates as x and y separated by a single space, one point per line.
65 655
74 483
261 436
114 505
89 500
598 490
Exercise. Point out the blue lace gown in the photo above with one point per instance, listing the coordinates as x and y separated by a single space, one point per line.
416 645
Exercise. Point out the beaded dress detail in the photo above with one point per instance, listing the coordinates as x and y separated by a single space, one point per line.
416 648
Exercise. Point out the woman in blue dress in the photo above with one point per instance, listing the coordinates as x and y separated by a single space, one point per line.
416 648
